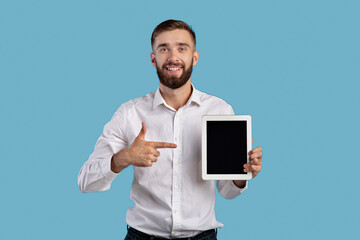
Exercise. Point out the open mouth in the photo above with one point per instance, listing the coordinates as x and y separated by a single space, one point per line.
173 69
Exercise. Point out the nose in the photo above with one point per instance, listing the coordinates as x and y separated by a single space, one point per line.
173 57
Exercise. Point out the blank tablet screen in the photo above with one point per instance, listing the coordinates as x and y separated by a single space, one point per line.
226 147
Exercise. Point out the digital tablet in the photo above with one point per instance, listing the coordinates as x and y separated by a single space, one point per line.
226 141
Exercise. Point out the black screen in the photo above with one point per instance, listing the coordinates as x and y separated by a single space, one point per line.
226 147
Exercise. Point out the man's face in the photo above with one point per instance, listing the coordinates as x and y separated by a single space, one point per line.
173 57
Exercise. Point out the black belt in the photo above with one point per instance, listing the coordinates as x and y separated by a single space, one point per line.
147 236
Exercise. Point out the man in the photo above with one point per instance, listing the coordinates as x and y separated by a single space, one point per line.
163 131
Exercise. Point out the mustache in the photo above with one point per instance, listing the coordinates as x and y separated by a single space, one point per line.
174 64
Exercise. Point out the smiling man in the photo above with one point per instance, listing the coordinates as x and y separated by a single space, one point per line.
163 133
171 69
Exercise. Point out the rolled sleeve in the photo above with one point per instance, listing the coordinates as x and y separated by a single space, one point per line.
228 189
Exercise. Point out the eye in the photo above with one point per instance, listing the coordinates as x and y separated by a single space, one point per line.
162 49
182 49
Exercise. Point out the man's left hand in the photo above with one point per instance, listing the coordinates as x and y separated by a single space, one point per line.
254 164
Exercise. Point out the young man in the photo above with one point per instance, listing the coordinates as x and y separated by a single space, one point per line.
163 131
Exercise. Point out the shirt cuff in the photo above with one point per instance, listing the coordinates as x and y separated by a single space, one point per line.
106 170
230 190
240 189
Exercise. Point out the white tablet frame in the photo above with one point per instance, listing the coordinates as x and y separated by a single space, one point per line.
205 119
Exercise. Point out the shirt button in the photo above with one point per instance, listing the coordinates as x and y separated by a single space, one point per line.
175 211
176 163
174 233
176 139
176 186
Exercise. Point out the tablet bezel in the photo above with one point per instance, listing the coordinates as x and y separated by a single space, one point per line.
205 119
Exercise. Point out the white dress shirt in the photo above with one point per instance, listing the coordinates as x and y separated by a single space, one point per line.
171 198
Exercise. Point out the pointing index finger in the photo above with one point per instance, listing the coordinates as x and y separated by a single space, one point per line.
163 145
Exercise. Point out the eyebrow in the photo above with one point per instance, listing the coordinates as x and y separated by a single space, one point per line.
178 43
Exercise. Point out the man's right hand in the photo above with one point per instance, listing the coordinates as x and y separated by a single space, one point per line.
140 153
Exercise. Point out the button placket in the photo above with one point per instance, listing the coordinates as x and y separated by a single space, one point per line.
176 194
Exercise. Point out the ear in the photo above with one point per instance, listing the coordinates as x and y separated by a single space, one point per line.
153 60
195 57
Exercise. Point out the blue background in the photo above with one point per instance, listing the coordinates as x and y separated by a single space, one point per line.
66 66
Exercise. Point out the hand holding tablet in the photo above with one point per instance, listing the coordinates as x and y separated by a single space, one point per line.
226 142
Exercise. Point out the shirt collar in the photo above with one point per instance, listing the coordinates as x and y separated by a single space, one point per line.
158 99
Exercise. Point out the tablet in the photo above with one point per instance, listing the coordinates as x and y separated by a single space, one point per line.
226 141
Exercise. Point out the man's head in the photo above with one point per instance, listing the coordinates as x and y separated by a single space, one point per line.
173 43
170 25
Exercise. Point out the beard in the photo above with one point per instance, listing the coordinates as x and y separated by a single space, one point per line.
174 82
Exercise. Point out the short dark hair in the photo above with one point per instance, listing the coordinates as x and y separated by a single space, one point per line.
170 25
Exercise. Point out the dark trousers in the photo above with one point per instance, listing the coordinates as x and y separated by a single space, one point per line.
134 234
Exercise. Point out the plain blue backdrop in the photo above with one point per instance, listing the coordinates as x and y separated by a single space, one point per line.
66 66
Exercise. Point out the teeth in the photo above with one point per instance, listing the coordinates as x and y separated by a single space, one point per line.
173 69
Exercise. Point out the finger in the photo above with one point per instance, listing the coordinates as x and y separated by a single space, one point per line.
250 167
148 164
142 131
156 153
151 157
163 145
255 161
256 155
246 168
254 168
255 150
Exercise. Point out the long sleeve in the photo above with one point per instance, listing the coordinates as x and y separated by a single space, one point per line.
228 189
96 175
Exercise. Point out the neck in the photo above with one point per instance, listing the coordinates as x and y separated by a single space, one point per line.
176 98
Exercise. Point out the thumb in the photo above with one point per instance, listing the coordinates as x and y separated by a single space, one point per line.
142 131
